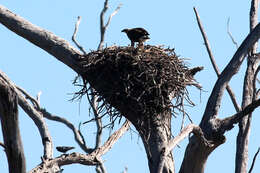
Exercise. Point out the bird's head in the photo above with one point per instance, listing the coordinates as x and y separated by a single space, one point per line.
125 30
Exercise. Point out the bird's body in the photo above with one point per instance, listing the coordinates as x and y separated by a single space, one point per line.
139 35
64 149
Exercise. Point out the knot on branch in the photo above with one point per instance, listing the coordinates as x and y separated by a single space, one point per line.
137 82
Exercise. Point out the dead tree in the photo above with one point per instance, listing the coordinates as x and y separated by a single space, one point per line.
140 85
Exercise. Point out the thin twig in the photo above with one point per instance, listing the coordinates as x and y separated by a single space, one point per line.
213 62
230 35
74 36
103 27
38 97
2 145
77 135
27 96
94 105
253 163
35 116
114 137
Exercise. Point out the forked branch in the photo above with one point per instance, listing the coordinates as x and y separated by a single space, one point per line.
103 27
213 62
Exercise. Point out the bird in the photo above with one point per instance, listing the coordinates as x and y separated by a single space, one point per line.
64 149
139 35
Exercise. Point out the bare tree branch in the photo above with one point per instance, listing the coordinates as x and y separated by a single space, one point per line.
27 96
101 166
228 123
44 39
36 117
103 27
248 97
38 97
253 17
113 138
10 128
213 62
85 159
230 70
94 105
77 136
253 163
191 128
230 35
74 36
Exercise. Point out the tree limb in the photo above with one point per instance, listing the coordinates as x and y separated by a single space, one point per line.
77 136
10 128
213 62
191 128
74 36
92 158
230 70
247 98
228 123
253 163
230 35
113 138
36 117
103 27
54 45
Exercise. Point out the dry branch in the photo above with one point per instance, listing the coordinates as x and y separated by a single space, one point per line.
228 123
10 128
230 70
253 163
191 128
77 136
213 62
230 35
103 27
248 97
85 159
36 117
54 45
74 36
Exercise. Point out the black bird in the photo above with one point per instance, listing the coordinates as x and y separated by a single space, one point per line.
64 149
139 35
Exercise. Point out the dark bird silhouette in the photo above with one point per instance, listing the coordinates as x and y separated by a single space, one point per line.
139 35
64 149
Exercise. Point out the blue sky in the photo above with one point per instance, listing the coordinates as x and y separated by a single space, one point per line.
170 23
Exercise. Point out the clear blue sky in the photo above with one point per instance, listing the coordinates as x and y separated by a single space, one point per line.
170 23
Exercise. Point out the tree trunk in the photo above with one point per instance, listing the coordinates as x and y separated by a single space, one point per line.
10 129
156 133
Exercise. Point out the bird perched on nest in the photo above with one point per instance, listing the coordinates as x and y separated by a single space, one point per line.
64 149
139 35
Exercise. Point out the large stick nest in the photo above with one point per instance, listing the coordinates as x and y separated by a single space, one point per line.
137 82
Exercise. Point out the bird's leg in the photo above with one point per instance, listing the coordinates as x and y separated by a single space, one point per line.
132 44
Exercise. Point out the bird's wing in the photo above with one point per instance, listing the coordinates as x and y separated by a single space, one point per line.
141 30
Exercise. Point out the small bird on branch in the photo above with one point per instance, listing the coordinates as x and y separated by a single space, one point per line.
139 35
64 149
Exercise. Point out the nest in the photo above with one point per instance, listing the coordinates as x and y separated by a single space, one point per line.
137 82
